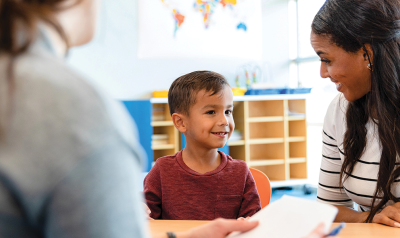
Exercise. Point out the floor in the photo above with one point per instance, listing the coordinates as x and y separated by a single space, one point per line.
295 191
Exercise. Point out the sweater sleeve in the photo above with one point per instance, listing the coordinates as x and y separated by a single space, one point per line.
251 201
152 192
329 190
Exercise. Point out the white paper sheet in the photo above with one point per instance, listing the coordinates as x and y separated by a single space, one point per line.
290 217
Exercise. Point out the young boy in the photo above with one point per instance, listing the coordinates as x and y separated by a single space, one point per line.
200 182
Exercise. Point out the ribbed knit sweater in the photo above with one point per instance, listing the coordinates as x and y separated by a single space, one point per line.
173 191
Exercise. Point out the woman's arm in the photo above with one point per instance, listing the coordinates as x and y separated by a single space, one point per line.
389 216
346 214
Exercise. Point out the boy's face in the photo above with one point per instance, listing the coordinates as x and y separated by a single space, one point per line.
210 121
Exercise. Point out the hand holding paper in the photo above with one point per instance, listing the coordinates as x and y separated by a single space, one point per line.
290 217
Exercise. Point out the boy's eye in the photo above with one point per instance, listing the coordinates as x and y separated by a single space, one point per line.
210 112
228 112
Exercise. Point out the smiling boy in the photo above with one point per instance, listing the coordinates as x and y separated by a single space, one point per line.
200 182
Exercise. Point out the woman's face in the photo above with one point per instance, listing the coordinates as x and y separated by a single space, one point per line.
349 71
79 20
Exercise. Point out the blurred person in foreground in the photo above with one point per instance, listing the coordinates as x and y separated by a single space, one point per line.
69 157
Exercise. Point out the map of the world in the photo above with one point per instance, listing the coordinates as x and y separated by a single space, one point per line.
199 28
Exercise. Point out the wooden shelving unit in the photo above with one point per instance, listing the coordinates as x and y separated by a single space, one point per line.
162 125
274 134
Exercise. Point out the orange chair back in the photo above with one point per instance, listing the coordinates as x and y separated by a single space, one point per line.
263 186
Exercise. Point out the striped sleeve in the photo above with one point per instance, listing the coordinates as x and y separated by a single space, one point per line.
329 190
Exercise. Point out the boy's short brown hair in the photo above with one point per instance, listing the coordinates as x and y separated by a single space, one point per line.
182 93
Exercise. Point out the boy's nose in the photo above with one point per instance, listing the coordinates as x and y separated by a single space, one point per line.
224 121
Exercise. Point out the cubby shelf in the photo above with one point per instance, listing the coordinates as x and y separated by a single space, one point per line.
265 119
163 147
296 118
274 131
266 162
236 143
162 123
265 141
297 160
296 139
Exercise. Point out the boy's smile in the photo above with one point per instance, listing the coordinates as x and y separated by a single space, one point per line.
210 122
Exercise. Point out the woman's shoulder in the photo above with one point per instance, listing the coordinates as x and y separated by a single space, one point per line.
72 118
338 104
336 110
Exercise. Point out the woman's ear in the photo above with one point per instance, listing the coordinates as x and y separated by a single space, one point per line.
179 122
368 48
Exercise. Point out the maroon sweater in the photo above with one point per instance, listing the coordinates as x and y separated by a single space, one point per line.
173 191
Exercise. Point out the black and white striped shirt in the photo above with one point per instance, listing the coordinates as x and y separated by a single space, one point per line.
361 184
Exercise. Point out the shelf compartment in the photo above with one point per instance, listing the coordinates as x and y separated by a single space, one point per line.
296 139
237 152
297 106
297 149
266 162
161 112
161 123
265 141
163 147
161 153
259 130
297 160
274 172
297 128
168 130
265 119
238 115
267 152
268 108
298 171
296 118
236 143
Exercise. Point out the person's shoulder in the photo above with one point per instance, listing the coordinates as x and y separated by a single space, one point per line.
166 160
67 104
45 71
336 111
236 163
338 104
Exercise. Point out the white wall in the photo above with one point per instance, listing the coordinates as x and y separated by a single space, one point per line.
110 60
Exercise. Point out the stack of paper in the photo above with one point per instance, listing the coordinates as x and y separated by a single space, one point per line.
290 217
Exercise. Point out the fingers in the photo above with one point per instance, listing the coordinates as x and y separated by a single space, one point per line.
235 225
148 211
382 219
390 216
241 219
318 232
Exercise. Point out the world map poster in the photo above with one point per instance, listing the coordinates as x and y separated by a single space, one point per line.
181 29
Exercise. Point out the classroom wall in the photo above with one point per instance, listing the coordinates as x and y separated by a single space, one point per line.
110 60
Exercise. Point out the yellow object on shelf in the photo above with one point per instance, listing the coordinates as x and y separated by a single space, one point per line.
238 91
160 94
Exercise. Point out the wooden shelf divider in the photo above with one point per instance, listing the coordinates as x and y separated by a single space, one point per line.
265 141
297 160
236 143
296 138
266 162
265 119
162 123
163 147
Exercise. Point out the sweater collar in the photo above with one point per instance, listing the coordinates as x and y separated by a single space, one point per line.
224 161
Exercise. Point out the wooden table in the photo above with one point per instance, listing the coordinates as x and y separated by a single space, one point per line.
352 230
